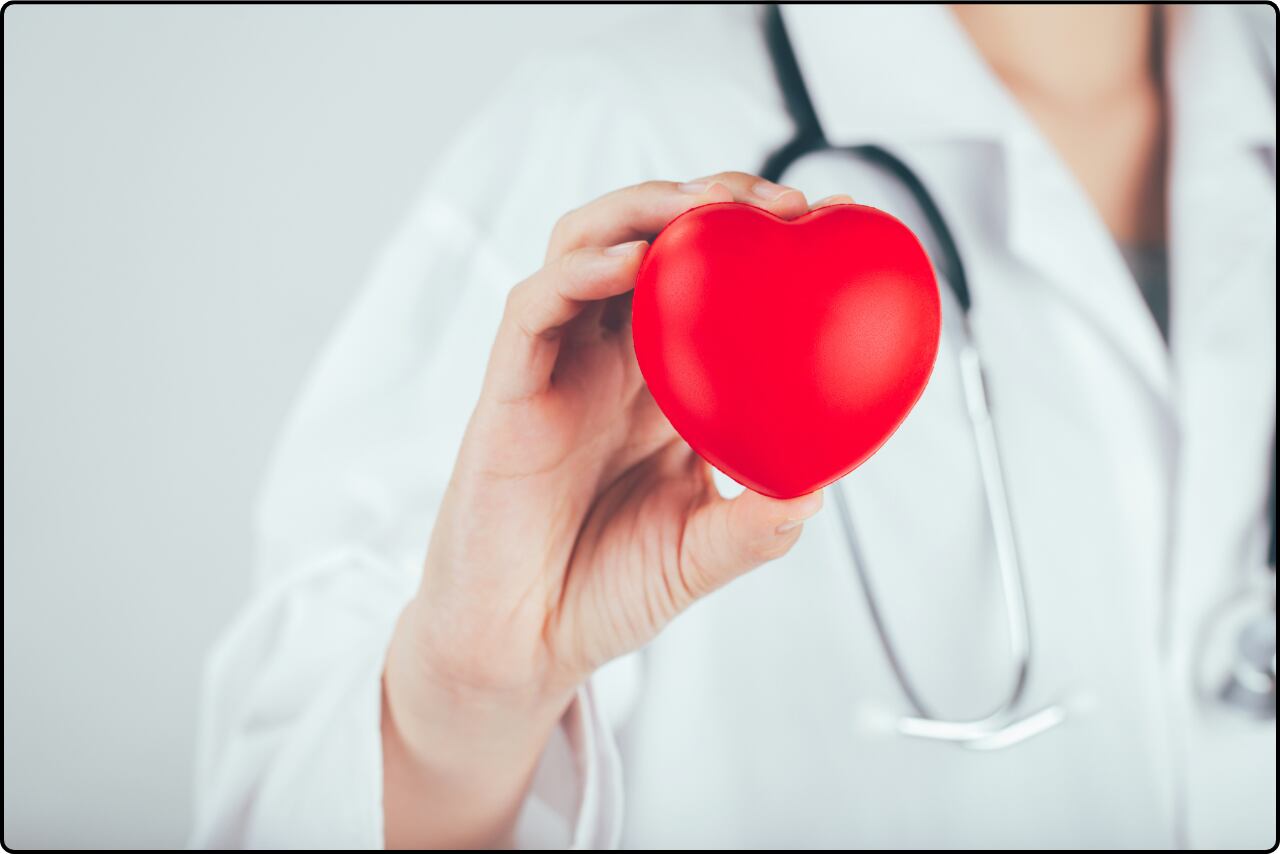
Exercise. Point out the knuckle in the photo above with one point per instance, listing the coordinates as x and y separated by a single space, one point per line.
518 303
514 297
635 192
653 186
569 265
733 177
564 228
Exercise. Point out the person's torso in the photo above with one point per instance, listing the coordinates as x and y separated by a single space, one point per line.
1136 477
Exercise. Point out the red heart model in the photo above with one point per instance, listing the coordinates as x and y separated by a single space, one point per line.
786 352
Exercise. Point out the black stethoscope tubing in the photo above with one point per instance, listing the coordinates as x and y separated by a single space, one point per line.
809 138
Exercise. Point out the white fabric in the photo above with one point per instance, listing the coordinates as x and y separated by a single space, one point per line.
762 717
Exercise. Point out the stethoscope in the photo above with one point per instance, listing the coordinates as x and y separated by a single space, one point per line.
1248 684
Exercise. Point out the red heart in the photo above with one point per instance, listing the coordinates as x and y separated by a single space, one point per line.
786 352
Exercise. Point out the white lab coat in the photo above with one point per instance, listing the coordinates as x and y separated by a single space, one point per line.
762 716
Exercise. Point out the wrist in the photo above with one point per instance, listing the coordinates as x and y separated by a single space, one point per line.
451 713
457 756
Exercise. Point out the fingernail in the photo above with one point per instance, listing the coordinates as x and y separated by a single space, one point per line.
624 248
694 187
838 198
769 191
812 504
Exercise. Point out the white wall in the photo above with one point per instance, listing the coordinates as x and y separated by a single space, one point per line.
192 195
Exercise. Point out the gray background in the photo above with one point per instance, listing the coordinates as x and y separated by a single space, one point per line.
192 196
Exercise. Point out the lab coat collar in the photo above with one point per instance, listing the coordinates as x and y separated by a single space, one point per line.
872 72
1219 86
1221 129
942 90
1222 213
1222 77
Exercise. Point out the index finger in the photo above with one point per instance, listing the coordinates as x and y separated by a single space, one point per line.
642 210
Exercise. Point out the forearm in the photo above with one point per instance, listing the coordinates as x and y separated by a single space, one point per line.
457 763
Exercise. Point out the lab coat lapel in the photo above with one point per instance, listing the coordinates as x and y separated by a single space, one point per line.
1054 229
1222 123
1221 188
1222 172
1048 223
872 74
1222 230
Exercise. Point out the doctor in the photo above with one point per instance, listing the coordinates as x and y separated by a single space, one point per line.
608 644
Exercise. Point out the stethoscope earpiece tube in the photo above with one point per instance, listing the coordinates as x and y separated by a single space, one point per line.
1000 728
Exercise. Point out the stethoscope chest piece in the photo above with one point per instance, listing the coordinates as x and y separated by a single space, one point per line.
1236 659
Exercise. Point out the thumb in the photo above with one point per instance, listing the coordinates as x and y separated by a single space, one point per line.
727 537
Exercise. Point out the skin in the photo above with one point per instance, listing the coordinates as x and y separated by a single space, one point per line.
577 524
1091 79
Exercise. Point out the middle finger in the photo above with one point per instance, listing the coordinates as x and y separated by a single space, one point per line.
642 210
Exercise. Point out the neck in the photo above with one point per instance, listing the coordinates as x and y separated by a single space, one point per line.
1070 53
1090 78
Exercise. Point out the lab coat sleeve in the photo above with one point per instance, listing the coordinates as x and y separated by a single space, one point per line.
290 741
291 745
289 750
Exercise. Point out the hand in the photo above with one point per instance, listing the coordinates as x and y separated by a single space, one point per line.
576 523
